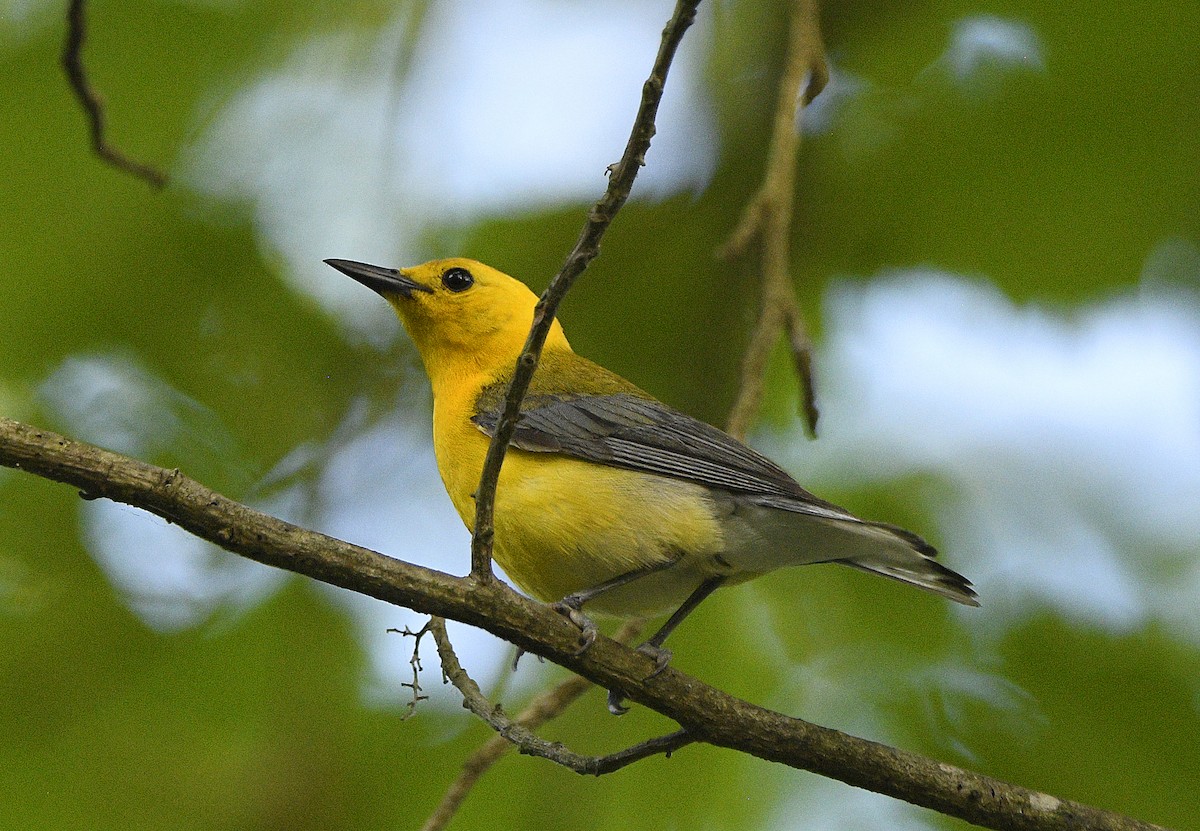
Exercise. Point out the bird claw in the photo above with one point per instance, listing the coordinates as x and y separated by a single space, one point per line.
616 704
661 657
520 653
587 628
659 654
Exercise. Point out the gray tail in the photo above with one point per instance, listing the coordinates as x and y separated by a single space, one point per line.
912 562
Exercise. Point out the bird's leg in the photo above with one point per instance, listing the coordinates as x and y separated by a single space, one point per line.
571 605
653 646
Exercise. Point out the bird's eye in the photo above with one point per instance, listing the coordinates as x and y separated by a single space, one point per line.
457 279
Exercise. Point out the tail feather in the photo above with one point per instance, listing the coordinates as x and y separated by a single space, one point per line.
917 568
762 537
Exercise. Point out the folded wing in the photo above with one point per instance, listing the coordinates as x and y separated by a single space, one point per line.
627 429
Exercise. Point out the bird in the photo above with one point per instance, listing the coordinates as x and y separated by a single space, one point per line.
609 498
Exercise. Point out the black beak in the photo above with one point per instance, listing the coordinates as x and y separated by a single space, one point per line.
385 281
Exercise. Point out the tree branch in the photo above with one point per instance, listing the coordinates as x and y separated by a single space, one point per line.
89 99
544 707
707 714
586 248
523 738
768 218
410 707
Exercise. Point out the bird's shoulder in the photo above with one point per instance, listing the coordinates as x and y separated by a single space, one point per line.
562 375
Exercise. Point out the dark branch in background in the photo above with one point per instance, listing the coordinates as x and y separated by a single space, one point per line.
544 707
768 219
93 106
620 182
707 714
528 743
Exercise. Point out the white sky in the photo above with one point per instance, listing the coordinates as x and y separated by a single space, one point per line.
410 154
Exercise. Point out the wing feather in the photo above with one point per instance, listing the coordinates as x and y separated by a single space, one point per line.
617 424
630 431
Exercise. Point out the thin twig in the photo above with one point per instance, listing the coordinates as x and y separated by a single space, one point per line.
524 739
708 714
93 106
621 178
544 707
562 695
415 663
586 248
768 218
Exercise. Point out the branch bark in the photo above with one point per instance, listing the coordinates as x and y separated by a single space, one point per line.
524 739
707 714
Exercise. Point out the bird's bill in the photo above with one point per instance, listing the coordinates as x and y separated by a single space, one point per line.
385 281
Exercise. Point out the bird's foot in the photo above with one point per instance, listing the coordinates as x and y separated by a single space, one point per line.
520 653
568 607
616 703
659 654
661 657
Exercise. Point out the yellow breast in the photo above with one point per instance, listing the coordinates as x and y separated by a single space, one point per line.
564 524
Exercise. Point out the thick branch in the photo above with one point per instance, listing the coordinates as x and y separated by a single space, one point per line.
586 248
707 714
89 99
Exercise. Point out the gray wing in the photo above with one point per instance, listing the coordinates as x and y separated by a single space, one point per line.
629 431
642 434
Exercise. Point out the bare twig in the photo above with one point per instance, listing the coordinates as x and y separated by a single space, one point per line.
621 178
524 739
550 704
708 714
586 248
415 663
544 707
768 218
93 106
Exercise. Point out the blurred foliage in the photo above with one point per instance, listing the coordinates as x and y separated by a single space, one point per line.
1054 180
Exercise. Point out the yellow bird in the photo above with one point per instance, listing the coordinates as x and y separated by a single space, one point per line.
607 496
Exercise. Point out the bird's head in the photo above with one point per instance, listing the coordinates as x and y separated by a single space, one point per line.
462 315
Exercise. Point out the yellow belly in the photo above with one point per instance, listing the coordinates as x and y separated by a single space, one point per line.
564 524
